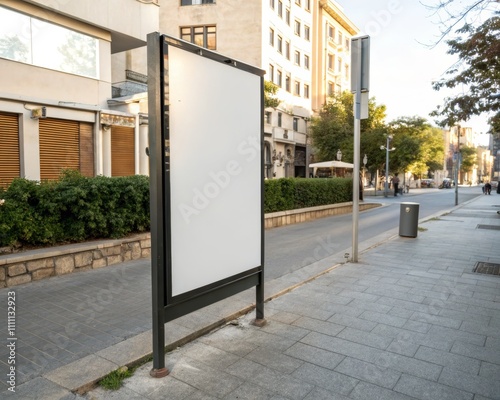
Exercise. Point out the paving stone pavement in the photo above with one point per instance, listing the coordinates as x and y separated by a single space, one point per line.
411 320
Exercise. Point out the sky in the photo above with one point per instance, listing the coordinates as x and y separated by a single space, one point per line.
402 63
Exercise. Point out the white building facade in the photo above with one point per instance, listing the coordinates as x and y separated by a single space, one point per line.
56 63
280 37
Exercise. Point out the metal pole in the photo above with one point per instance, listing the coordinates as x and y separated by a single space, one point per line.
457 165
386 188
355 191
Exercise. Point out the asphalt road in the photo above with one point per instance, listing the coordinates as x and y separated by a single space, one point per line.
292 247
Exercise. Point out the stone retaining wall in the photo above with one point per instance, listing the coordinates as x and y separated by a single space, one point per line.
282 218
33 265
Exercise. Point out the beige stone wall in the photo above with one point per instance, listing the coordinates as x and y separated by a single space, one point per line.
16 269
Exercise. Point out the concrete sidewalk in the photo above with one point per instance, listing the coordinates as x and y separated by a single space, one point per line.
410 320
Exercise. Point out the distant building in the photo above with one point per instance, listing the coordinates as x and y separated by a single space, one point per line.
483 169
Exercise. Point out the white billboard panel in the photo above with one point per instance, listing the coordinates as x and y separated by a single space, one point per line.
215 170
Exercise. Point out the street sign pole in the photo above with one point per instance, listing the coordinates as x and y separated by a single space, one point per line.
360 68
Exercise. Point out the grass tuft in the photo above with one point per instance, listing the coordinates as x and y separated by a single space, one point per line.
114 380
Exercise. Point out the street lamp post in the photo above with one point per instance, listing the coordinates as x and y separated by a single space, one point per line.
387 150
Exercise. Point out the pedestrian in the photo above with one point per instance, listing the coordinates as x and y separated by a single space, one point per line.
487 188
395 182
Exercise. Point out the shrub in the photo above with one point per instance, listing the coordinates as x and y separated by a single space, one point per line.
291 193
73 208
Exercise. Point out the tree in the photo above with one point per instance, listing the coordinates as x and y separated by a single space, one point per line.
419 146
469 157
478 68
333 129
270 90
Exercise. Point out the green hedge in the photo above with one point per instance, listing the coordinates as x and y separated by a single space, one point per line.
75 208
292 193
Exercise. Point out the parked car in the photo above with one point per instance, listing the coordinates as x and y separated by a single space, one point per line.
447 183
427 183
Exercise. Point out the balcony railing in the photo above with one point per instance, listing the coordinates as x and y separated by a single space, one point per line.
281 134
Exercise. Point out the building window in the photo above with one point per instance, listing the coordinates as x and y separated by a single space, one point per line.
330 89
287 83
295 124
203 36
271 4
339 89
308 5
297 57
297 2
306 91
196 2
287 16
331 59
346 72
347 44
280 9
280 44
331 31
36 42
279 119
297 28
339 69
271 72
307 32
287 50
297 88
306 62
279 78
268 117
271 36
339 40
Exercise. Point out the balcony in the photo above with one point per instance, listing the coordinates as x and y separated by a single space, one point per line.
283 135
332 42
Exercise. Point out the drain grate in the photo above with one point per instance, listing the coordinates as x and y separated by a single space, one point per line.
487 268
493 227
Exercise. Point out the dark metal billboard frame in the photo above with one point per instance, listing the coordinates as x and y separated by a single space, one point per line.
167 307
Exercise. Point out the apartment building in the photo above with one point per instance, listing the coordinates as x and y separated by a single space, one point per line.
483 169
56 63
285 38
332 36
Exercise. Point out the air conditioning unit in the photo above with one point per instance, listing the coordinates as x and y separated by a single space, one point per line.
38 113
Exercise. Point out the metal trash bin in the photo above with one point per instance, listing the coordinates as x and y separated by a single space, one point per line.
408 219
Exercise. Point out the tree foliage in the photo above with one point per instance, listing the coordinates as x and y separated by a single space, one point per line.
333 129
469 157
478 68
419 146
270 90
